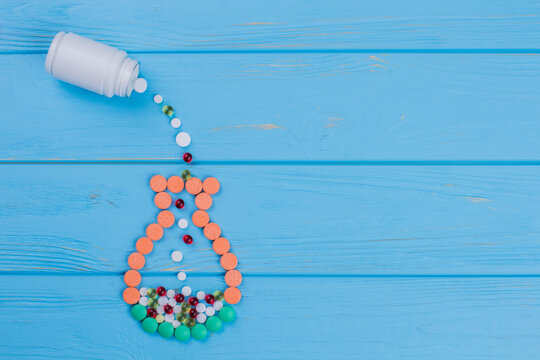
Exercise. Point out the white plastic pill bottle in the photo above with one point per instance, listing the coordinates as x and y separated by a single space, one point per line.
93 66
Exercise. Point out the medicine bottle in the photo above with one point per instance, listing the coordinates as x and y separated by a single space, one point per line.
93 66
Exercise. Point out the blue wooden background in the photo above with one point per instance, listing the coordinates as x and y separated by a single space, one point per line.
379 163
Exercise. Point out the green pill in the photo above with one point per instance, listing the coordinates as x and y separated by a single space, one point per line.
214 324
190 322
181 317
138 312
185 307
186 174
199 332
227 314
168 110
151 293
218 295
153 303
150 325
182 333
166 330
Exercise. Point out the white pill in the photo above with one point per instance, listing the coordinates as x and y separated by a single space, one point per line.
201 295
182 223
140 85
201 318
160 318
160 310
169 318
176 309
162 300
181 276
186 291
143 301
143 291
183 139
171 302
176 256
158 99
175 123
217 305
210 311
171 293
175 324
200 307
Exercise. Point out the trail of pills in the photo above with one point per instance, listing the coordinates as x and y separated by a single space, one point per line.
181 312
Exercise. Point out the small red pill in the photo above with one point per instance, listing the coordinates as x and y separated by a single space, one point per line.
193 301
193 313
151 312
179 203
188 157
161 291
210 299
179 298
187 239
168 309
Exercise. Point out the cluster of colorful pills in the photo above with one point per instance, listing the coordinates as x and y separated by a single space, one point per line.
175 311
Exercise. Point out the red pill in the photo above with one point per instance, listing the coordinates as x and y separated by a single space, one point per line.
151 312
193 313
210 299
188 157
161 291
168 309
193 301
179 203
187 239
179 298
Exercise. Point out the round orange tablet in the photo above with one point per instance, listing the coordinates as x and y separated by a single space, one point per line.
154 231
175 184
144 245
132 278
233 277
200 218
210 185
203 201
232 295
131 295
194 186
136 260
228 261
212 231
158 183
221 246
162 200
165 219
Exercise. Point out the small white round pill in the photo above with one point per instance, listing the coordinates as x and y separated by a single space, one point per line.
200 307
140 85
186 291
210 311
176 256
182 223
169 318
158 99
162 300
171 293
171 302
183 139
217 305
201 295
181 276
175 123
160 310
143 301
175 324
201 318
143 291
176 309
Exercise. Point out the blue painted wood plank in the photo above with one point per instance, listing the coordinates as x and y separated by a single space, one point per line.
83 317
170 25
280 219
284 107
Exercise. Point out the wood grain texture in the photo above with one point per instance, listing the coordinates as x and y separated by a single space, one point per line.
28 26
308 107
280 219
82 317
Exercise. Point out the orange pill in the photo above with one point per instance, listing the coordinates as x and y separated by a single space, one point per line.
212 231
175 184
200 218
131 295
162 200
136 260
194 186
233 277
165 219
144 245
232 295
154 232
210 185
203 201
132 278
158 183
221 246
228 261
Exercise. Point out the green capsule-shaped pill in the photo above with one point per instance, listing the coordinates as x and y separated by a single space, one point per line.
189 322
185 307
151 293
166 330
168 110
186 175
218 295
138 312
182 333
153 303
181 316
227 314
150 325
199 332
214 324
